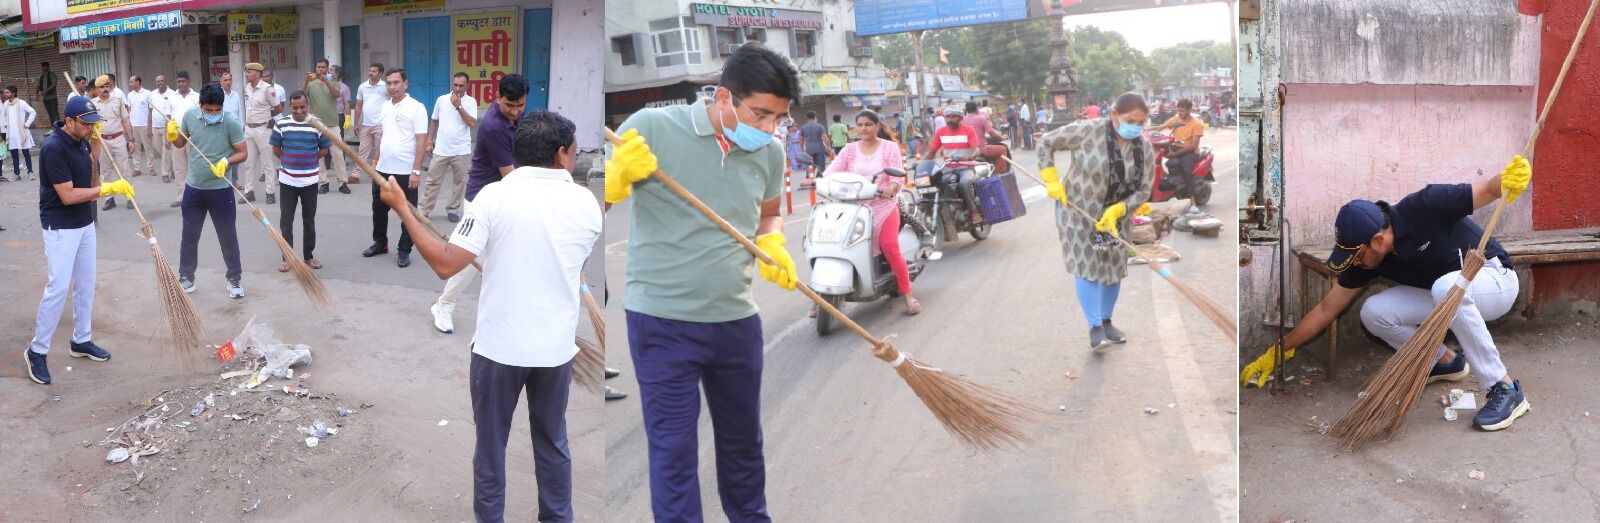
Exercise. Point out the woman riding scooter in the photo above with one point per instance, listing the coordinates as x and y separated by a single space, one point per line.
1113 167
873 153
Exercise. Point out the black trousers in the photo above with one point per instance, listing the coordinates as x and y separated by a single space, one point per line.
495 388
289 198
53 108
1183 166
380 213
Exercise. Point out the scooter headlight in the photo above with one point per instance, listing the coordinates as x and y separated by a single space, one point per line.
858 232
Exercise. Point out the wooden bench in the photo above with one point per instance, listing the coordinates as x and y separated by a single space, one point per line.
1526 250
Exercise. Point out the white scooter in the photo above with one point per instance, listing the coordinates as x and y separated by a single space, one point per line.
839 240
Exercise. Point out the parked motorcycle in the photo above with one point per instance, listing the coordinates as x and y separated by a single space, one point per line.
839 244
1168 186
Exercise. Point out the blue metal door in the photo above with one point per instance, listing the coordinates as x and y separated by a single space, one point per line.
427 62
536 57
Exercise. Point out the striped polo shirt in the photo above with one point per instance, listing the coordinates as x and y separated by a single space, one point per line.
302 147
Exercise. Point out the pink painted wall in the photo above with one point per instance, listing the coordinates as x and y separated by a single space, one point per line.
1343 142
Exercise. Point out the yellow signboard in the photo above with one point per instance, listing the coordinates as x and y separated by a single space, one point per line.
387 7
75 7
263 27
485 50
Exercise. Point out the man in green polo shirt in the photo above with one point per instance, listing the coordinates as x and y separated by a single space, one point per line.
839 134
322 92
692 318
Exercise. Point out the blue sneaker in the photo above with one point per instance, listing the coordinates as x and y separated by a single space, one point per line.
1504 405
1453 371
88 350
37 370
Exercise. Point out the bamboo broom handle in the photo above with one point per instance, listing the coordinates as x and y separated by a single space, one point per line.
1549 101
114 166
1136 254
751 246
254 211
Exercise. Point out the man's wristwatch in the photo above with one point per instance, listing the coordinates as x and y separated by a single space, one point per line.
415 172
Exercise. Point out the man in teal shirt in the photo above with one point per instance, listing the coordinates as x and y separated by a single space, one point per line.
219 138
692 319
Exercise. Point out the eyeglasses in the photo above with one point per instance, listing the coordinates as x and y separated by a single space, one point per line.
762 120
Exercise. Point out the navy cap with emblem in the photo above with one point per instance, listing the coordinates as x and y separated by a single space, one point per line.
1357 223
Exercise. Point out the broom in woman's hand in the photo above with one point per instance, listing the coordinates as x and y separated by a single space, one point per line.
588 367
1380 410
1212 311
184 320
309 282
980 417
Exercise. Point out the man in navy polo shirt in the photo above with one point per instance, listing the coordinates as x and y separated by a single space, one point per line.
1421 243
68 189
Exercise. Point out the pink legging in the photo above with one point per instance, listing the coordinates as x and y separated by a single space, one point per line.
889 243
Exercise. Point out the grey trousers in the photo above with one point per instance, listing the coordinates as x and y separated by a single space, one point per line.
1397 312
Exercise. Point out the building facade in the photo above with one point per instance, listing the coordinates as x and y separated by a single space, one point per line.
663 52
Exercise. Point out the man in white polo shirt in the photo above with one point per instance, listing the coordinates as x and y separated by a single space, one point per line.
369 96
399 151
532 230
144 143
455 116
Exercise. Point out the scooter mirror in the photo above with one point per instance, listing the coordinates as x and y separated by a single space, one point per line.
897 173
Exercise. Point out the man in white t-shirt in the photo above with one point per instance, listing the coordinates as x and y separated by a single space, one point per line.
455 115
144 143
370 95
181 101
277 89
532 230
404 138
160 106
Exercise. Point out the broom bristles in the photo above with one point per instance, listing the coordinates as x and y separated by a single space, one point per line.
1212 311
597 319
309 282
187 331
980 417
1380 412
587 367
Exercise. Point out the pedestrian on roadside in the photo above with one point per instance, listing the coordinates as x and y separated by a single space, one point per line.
68 188
233 102
1112 166
115 149
47 92
696 324
323 96
300 149
16 119
260 105
338 169
492 159
455 115
838 135
218 143
81 85
277 89
404 139
369 97
139 115
156 112
816 143
533 231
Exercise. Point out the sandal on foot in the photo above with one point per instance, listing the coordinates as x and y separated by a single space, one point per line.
284 267
914 308
313 263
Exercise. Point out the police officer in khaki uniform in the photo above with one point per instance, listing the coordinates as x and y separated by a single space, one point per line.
114 129
260 105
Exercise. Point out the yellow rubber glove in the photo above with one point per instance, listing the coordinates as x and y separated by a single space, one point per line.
1143 210
119 187
631 163
1514 179
1259 370
220 169
97 137
1052 184
1108 219
783 273
172 130
347 120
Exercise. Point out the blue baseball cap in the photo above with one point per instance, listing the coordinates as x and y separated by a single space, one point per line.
1357 223
81 108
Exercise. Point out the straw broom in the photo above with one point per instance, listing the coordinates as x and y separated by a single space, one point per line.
1212 311
309 282
589 365
1380 410
978 416
187 331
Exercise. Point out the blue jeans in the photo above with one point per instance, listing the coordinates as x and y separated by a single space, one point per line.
1097 300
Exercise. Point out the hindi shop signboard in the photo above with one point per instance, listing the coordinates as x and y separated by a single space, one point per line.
484 51
263 27
78 7
743 16
122 26
389 7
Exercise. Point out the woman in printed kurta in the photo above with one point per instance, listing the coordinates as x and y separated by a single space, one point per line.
1093 183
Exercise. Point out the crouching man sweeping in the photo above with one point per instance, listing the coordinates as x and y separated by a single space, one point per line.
532 230
1419 243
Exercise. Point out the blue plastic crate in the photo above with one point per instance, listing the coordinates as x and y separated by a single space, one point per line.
999 199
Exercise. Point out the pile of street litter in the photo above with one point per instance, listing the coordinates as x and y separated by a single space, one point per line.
1146 234
256 428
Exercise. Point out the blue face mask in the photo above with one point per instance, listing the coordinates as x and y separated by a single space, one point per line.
745 136
211 119
1129 131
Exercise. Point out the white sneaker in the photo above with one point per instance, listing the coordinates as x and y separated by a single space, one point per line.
442 319
235 289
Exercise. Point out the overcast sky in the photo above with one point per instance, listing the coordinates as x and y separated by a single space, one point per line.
1150 29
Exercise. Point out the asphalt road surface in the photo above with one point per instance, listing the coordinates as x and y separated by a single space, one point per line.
847 441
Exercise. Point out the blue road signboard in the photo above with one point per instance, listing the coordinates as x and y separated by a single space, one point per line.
122 26
880 17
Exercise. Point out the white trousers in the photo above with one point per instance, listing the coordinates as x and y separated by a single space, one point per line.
1396 313
69 264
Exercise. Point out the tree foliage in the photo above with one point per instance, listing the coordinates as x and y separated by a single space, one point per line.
1015 56
1176 65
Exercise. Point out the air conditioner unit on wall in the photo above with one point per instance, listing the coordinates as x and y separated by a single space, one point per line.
861 52
727 49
